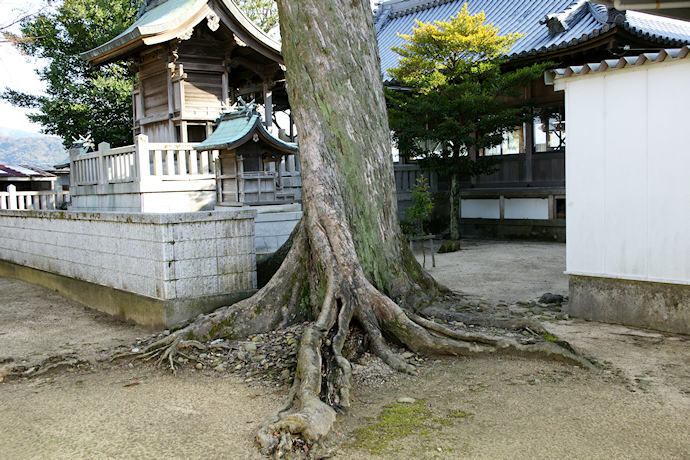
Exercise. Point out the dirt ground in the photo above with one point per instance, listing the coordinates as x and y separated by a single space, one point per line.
636 406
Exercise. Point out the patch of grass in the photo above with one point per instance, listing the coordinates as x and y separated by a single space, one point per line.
549 337
460 414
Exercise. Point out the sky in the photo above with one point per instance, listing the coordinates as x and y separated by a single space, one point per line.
16 72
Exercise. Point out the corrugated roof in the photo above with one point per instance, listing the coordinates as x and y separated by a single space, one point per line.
571 22
236 128
628 61
28 172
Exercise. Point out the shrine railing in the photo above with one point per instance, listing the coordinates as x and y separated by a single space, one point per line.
144 161
36 200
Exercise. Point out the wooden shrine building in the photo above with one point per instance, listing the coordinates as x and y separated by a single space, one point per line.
191 58
253 166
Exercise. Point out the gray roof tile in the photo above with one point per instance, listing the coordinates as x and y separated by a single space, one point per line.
627 61
580 20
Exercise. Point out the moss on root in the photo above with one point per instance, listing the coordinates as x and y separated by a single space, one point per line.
397 421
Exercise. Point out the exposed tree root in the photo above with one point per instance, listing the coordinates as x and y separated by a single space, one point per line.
342 295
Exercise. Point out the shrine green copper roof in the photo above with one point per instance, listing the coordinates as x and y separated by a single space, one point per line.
237 128
170 19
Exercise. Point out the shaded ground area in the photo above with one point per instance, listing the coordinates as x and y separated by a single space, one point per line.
636 406
37 323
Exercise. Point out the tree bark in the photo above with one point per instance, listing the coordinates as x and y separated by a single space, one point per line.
455 207
348 261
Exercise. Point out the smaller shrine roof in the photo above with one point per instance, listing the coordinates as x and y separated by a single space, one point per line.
238 127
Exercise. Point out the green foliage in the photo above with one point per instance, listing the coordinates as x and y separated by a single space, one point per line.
441 53
422 206
459 98
264 13
79 99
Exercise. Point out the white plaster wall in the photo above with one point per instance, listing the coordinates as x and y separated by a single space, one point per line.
164 256
526 208
480 209
627 170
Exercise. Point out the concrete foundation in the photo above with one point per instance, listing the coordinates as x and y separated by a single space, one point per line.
155 314
661 306
530 229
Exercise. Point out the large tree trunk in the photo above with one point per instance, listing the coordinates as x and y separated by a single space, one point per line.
348 261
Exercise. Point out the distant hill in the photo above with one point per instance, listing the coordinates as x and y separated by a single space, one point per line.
31 150
11 132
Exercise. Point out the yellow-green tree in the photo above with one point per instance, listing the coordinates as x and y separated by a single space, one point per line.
457 99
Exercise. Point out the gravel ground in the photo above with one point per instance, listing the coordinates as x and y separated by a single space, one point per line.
636 406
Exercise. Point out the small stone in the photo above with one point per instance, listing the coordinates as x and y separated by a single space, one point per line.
203 355
131 366
526 334
219 368
407 355
258 358
199 366
135 350
549 298
406 400
256 338
561 316
241 356
250 347
536 310
285 374
238 367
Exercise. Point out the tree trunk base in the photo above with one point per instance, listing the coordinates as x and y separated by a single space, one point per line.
449 246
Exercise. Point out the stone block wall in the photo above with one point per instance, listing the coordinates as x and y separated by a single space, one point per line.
171 258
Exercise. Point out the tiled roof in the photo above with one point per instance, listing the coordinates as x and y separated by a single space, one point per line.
547 25
628 61
237 128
